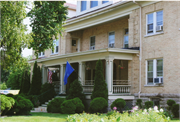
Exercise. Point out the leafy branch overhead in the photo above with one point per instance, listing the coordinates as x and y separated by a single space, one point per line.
46 22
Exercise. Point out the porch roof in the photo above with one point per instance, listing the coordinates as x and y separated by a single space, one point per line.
117 53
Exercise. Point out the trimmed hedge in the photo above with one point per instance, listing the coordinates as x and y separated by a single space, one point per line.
6 104
139 103
98 104
175 110
119 103
55 105
170 103
148 104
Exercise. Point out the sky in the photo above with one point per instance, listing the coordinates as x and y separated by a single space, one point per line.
26 52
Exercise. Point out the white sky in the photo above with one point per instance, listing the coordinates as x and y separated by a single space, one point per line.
26 52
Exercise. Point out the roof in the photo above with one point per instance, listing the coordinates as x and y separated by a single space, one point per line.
70 6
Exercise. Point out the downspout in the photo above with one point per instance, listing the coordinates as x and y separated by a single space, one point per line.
139 93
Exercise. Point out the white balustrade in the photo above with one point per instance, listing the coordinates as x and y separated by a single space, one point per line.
121 86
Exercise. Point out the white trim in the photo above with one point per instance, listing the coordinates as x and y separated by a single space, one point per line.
41 54
153 34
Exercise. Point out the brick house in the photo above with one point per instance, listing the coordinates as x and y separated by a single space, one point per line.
138 43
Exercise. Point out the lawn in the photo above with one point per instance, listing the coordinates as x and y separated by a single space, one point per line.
42 117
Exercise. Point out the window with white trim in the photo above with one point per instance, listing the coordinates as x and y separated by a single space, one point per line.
154 22
92 43
83 5
126 38
94 4
104 2
154 70
56 47
41 54
111 39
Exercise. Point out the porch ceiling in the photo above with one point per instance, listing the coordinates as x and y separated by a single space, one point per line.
116 53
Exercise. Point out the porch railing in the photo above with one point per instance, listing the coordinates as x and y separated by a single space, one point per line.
88 86
121 86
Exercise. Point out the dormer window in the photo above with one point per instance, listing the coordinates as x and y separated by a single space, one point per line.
83 5
104 2
94 4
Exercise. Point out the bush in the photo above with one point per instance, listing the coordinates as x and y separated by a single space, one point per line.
25 83
170 103
148 104
100 86
47 92
33 99
6 104
175 110
36 80
119 103
3 86
68 107
55 105
79 105
98 104
76 90
22 106
139 103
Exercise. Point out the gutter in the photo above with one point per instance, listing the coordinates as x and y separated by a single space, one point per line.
140 48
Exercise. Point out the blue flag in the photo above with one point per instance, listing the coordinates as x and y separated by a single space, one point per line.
68 71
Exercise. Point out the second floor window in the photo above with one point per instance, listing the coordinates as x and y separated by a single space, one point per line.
56 46
83 5
104 2
111 39
154 22
92 43
126 38
41 54
94 4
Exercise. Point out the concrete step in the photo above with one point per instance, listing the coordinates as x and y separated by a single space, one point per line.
44 105
40 109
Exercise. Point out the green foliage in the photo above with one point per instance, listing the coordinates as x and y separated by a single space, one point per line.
148 104
55 105
170 103
6 104
76 90
139 103
119 103
25 82
98 104
3 86
47 18
22 106
13 36
4 75
79 105
68 107
47 92
100 86
32 98
36 80
175 110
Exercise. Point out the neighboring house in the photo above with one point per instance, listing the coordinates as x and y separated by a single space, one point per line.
138 43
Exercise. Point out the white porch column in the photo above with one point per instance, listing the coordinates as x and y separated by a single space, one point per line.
62 86
81 72
109 74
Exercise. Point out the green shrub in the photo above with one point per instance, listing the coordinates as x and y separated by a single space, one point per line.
36 80
6 104
139 103
98 104
170 103
148 104
68 107
79 105
22 106
47 92
25 82
76 90
175 110
55 105
100 86
3 86
119 103
33 99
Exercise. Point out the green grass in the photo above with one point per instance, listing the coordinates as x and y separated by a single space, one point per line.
37 117
44 117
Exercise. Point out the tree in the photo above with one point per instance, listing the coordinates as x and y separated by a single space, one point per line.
100 86
12 36
46 21
36 80
25 82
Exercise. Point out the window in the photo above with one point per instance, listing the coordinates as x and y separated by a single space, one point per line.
126 38
92 43
56 46
94 4
154 22
73 42
83 5
41 54
111 39
104 2
154 70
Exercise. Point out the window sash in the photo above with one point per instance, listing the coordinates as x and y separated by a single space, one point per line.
111 37
41 54
83 5
94 4
104 2
92 41
56 46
